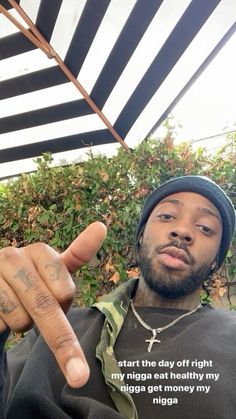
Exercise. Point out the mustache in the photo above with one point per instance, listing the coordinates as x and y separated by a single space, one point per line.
178 245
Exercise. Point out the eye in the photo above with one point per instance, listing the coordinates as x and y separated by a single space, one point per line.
206 230
165 217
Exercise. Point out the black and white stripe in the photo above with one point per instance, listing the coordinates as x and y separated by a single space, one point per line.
135 58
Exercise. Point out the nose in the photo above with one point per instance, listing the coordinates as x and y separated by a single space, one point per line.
182 233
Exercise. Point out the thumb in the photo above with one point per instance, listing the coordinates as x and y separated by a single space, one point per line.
84 247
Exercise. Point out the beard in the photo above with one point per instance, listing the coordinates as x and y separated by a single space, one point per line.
167 282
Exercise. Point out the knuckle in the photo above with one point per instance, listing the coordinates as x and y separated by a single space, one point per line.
44 303
21 323
66 294
64 341
3 326
8 253
38 247
27 326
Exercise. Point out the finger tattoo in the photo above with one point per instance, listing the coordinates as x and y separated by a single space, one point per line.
54 269
6 305
26 277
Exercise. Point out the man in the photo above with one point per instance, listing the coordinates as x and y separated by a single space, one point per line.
152 349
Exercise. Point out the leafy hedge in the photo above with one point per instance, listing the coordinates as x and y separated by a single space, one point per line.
53 205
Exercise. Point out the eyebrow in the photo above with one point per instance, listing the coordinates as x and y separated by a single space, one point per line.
204 210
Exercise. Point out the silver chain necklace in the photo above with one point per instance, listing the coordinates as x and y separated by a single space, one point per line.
159 329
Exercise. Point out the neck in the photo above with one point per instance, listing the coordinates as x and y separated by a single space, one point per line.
149 298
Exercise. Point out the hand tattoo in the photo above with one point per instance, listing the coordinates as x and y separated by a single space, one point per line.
26 277
6 305
54 270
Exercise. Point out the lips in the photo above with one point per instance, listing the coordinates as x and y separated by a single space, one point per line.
176 253
174 258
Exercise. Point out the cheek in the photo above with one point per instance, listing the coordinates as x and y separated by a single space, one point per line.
154 234
150 240
207 253
148 246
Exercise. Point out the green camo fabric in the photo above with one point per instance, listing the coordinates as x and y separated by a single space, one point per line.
115 308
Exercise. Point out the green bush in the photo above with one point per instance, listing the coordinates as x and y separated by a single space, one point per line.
54 205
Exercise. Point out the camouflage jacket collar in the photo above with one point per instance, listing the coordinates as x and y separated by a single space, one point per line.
115 307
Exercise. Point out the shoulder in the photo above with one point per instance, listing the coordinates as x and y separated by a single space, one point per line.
219 315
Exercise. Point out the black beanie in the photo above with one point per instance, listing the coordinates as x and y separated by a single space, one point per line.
203 186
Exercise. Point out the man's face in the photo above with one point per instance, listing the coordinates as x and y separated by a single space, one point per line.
180 243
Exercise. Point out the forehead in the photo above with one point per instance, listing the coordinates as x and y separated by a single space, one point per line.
191 201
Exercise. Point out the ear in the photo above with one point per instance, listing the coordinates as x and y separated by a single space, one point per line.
140 240
213 265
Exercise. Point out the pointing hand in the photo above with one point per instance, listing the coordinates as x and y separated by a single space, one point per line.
36 287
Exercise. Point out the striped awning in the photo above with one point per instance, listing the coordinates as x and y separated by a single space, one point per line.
81 73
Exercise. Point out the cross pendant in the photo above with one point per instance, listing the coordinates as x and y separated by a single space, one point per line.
152 340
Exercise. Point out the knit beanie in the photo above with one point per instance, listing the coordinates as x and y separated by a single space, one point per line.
203 186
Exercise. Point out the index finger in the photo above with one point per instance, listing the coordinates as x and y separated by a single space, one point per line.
22 276
64 344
